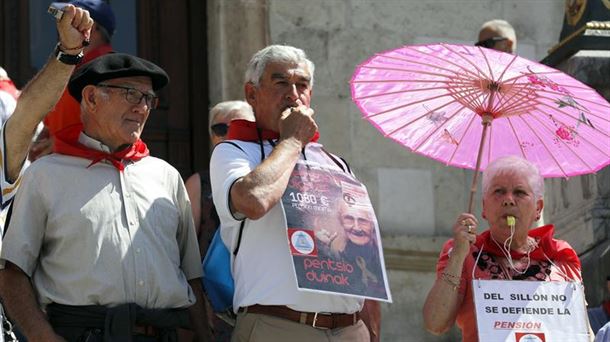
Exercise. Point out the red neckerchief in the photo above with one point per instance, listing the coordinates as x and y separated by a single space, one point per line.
9 87
68 144
95 53
245 130
556 250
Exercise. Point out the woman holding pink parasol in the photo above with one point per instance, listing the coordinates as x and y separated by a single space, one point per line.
467 106
510 249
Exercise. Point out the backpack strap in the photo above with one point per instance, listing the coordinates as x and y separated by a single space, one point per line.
7 220
208 218
241 230
345 168
232 143
243 223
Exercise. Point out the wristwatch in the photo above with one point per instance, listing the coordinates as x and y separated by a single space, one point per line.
66 58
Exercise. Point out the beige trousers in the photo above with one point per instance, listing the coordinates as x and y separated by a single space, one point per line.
252 327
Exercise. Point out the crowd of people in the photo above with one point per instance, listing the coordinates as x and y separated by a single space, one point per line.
119 257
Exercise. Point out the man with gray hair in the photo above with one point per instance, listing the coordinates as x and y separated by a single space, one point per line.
499 35
249 178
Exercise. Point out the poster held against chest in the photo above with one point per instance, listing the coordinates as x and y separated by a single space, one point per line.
333 233
530 311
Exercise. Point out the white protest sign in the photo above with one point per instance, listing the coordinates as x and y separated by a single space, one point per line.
530 311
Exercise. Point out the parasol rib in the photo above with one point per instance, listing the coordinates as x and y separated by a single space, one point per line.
571 86
406 105
406 70
448 61
519 142
506 68
442 125
462 138
460 67
520 93
481 73
515 105
397 92
491 73
470 94
417 62
389 134
406 81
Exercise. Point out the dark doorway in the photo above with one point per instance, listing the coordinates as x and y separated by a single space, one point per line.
177 131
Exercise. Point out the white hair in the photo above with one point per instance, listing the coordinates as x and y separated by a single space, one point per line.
276 54
514 164
230 110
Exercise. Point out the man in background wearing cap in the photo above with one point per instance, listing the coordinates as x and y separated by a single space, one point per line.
103 230
67 111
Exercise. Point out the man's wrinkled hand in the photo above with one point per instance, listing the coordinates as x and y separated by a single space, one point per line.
298 123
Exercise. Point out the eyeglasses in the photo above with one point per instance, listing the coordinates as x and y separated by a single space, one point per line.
350 221
134 96
490 42
220 129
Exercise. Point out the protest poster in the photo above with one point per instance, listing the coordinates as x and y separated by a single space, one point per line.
333 233
530 311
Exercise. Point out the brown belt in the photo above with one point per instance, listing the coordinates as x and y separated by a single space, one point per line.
145 330
315 319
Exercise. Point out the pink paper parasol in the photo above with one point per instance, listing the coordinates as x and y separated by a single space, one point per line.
466 106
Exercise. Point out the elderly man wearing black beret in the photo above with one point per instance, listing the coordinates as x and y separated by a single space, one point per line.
103 230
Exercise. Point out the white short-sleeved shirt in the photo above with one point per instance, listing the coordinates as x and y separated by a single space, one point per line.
9 188
97 236
263 270
7 106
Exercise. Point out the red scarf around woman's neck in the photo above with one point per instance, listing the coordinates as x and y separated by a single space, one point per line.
68 144
556 250
245 130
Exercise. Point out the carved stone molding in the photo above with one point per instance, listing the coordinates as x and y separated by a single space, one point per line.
405 260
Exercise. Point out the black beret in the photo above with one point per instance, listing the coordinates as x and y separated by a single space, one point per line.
115 65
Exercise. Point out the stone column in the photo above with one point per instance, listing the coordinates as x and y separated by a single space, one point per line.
236 30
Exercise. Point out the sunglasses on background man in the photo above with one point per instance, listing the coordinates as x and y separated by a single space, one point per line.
220 129
489 43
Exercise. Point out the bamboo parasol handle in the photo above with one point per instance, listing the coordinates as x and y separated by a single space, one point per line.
473 188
